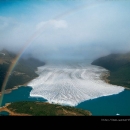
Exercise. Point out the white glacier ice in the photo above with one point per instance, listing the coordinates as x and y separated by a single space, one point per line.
71 84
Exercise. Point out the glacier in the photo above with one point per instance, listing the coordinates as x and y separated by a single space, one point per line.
71 84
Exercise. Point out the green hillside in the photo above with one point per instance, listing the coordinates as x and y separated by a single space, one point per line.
46 109
119 67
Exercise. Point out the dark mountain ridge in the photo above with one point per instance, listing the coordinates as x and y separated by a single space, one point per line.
119 67
23 72
113 61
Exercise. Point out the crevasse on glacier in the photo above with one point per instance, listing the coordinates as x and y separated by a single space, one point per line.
71 84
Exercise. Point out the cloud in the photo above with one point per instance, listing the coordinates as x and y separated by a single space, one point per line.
53 23
7 22
85 33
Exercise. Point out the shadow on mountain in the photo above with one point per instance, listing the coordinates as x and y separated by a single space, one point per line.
119 67
23 72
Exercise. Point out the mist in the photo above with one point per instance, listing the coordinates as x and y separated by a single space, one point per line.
65 30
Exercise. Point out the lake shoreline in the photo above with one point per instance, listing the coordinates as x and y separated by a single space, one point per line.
6 91
105 77
11 113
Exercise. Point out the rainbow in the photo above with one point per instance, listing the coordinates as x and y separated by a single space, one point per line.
32 38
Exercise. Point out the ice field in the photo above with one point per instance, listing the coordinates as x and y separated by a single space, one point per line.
71 84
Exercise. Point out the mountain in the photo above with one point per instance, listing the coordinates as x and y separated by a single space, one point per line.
113 61
23 72
119 67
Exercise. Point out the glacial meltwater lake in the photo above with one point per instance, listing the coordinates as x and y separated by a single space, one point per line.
20 94
118 104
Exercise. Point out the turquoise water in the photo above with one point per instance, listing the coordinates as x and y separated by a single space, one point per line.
4 113
109 105
20 94
103 106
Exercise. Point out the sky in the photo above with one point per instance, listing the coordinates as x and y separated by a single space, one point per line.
74 30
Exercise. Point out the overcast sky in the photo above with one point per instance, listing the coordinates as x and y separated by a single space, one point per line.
65 29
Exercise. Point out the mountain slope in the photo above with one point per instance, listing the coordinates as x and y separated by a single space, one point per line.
119 67
23 72
113 61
